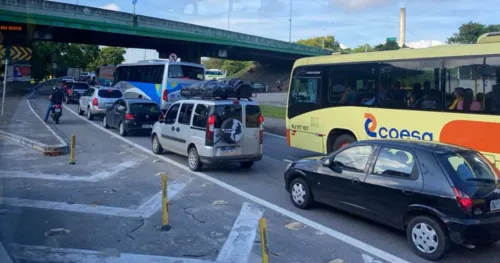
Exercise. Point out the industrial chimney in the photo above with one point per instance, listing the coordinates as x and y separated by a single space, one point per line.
402 26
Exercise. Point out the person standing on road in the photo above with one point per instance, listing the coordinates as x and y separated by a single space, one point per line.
278 85
55 98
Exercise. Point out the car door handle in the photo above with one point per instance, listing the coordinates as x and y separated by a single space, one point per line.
177 130
355 180
407 192
173 128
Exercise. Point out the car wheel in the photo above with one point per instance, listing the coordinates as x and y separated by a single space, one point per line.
80 112
105 122
90 116
156 145
121 129
246 165
427 237
341 141
301 193
194 160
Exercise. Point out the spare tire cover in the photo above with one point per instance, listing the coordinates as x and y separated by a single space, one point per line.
232 130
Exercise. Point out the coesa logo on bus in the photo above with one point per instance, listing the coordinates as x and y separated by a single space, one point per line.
393 133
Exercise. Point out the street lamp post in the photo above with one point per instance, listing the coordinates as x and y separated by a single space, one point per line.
290 19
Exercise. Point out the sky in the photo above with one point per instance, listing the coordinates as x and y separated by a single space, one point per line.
352 22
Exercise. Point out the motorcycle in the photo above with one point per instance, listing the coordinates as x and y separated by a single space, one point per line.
56 112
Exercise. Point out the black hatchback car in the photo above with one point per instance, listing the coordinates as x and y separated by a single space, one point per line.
435 192
132 115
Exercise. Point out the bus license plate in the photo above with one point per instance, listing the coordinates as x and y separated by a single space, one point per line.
229 151
57 110
495 205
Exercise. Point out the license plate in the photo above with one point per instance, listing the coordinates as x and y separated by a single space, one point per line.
57 110
148 126
495 205
228 151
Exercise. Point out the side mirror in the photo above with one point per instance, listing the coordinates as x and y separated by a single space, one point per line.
333 165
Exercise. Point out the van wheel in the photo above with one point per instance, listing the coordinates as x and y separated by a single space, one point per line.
427 237
246 165
341 141
156 145
194 160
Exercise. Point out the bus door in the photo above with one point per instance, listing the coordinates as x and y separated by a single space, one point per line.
304 99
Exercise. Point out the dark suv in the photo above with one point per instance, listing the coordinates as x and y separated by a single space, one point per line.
436 193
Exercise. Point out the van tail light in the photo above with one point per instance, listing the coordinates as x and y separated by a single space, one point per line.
261 125
95 102
463 199
165 95
288 137
210 130
129 116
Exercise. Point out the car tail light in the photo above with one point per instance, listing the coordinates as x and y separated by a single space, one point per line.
463 199
70 91
129 116
165 95
261 125
95 102
288 137
210 130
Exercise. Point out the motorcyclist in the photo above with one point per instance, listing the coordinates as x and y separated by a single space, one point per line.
55 98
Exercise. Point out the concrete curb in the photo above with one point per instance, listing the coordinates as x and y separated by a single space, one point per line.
50 150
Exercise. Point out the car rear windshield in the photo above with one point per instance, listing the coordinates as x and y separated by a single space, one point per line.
253 113
110 94
151 108
469 168
80 86
224 112
185 72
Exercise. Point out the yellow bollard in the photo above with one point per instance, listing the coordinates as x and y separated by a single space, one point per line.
264 245
164 203
72 153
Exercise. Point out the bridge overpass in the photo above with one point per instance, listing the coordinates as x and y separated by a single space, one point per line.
61 22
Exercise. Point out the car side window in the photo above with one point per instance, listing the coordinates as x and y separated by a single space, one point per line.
91 92
185 113
172 114
395 162
353 158
200 116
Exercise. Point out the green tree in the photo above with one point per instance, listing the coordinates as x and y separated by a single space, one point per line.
469 33
329 42
213 63
233 66
107 56
391 45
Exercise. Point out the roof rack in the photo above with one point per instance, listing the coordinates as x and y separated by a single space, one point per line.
217 98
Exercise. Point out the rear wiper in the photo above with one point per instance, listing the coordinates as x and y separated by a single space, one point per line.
486 180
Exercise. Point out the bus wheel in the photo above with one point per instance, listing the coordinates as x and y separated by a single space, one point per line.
342 141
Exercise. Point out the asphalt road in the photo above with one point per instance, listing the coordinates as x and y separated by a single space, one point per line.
265 181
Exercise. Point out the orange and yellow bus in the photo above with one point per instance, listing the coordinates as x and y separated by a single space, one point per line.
448 93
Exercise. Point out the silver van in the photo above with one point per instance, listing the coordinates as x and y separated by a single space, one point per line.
211 131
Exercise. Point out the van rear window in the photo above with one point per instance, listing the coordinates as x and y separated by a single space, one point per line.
224 112
252 118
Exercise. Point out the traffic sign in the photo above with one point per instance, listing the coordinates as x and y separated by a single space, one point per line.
391 39
20 53
172 57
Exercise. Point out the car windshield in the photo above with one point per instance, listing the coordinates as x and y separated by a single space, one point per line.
111 94
144 108
470 168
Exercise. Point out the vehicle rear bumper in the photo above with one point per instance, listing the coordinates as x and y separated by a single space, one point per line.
97 111
133 126
232 159
475 232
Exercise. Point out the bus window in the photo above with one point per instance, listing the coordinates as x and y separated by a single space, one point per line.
412 84
305 90
186 72
352 84
472 85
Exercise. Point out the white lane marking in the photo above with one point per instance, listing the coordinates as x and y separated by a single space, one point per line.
288 161
275 135
369 259
103 175
63 143
4 256
240 241
145 210
333 233
50 254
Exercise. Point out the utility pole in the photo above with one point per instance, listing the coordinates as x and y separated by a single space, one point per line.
229 8
290 19
402 26
134 2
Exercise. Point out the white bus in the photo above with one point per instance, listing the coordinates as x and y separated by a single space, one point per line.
158 80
